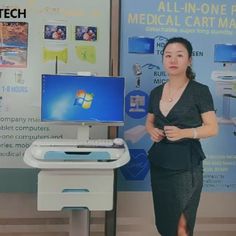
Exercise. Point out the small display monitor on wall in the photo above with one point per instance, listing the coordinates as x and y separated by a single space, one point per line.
225 53
83 99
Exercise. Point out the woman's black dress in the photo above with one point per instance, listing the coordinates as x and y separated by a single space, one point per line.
176 167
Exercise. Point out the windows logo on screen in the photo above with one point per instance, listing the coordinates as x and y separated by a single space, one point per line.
83 99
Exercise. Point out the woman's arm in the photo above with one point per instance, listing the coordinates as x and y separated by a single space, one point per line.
209 128
155 133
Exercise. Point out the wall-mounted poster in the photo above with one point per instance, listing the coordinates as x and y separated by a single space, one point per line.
13 44
86 33
55 32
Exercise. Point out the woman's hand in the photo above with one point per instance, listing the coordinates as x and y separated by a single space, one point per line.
173 133
156 134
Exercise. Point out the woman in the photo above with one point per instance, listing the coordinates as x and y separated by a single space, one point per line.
180 113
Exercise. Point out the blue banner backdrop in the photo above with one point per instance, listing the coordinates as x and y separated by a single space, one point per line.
145 27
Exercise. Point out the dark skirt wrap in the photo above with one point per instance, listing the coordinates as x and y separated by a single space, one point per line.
175 192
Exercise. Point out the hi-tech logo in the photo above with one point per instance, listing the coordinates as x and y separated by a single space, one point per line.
83 99
15 13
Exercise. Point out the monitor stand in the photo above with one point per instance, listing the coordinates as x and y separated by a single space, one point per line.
80 217
83 132
80 222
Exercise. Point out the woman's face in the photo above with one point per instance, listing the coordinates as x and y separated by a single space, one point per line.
176 59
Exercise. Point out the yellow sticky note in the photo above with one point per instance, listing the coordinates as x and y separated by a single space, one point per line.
86 53
50 55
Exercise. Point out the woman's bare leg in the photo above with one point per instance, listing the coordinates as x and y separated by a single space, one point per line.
182 226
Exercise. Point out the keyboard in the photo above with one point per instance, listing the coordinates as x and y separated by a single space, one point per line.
100 143
75 143
95 143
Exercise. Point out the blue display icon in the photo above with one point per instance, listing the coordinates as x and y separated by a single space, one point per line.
136 103
142 45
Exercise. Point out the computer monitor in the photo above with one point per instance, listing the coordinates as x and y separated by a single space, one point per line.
225 53
84 100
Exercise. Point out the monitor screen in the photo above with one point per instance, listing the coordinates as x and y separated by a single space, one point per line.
225 53
83 99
